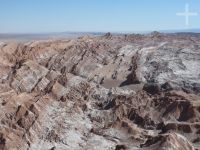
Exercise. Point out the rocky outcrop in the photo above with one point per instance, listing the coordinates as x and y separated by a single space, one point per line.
110 92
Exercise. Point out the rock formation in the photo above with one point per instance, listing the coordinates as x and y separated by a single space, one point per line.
112 92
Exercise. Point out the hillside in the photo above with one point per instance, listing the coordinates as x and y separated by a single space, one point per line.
112 92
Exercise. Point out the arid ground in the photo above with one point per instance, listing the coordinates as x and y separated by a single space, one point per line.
110 92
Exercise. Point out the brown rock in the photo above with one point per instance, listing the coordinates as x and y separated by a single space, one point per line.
110 92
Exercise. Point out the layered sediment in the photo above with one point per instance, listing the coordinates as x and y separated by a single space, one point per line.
120 92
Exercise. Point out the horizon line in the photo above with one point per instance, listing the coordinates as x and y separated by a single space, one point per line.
74 32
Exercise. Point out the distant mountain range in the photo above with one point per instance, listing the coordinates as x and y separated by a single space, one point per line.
57 35
181 30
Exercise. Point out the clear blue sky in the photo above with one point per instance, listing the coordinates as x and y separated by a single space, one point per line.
29 16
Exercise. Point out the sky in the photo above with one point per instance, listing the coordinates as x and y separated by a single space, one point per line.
40 16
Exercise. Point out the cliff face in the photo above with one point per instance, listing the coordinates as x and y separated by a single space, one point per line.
110 92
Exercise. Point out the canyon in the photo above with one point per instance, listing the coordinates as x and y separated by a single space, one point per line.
112 92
